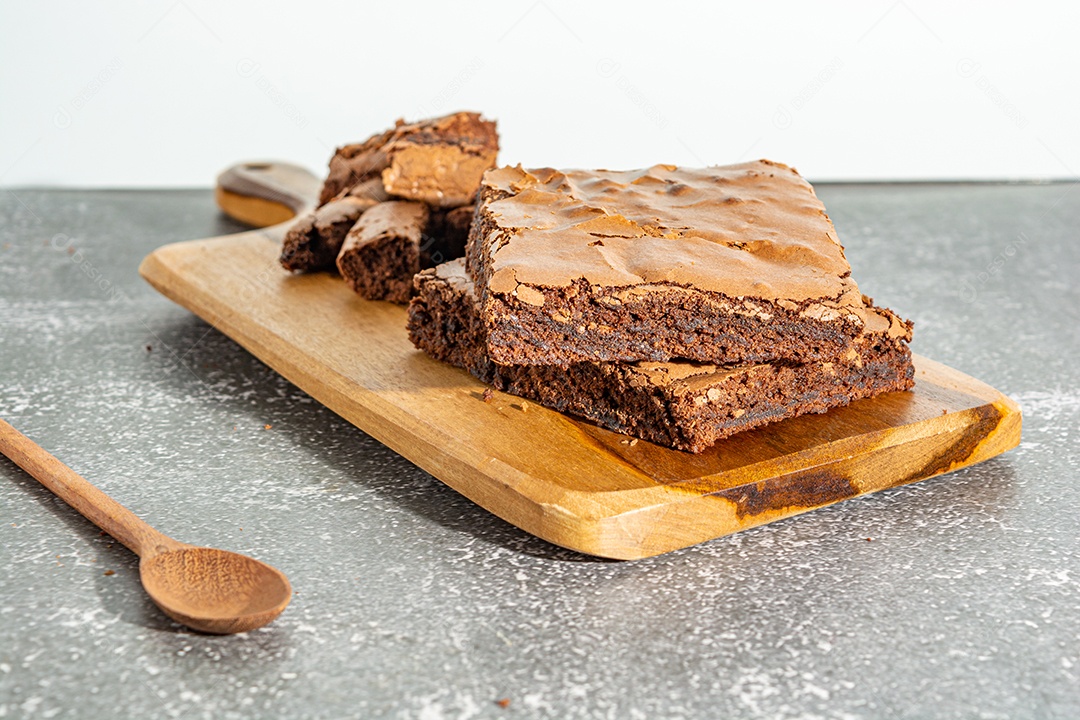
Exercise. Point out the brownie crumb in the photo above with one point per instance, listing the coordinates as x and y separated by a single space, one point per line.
503 703
109 572
488 395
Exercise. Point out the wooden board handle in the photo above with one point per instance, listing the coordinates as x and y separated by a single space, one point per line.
76 491
263 193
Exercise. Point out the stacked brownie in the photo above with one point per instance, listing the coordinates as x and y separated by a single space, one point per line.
672 304
394 204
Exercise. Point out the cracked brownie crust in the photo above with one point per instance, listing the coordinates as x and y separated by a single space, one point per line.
438 161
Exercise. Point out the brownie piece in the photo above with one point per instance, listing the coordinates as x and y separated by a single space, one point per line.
681 404
353 164
381 253
719 265
438 161
314 241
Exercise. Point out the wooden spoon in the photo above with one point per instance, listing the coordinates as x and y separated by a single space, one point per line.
265 193
213 591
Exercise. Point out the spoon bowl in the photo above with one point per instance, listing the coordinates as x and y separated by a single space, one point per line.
214 591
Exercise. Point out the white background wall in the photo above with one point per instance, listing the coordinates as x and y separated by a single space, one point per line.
167 93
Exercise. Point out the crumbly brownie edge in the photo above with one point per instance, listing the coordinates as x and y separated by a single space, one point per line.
442 323
580 324
442 162
382 269
443 326
314 241
481 236
776 391
606 394
297 249
307 249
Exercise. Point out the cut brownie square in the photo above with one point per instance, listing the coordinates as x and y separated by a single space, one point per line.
438 161
719 265
314 241
381 253
353 164
684 405
441 161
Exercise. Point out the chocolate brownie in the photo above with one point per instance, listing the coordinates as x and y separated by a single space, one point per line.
353 164
438 161
719 265
381 253
441 161
681 404
314 241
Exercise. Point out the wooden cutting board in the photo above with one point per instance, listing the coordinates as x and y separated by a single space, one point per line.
562 479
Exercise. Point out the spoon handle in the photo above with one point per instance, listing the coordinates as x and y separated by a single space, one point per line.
93 504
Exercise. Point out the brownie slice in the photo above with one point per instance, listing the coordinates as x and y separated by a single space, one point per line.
314 241
683 404
735 264
438 161
353 164
381 253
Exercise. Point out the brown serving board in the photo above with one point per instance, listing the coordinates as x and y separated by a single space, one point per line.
562 479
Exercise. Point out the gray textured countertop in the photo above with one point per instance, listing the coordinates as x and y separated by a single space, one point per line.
956 597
